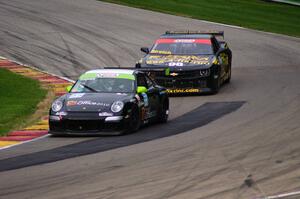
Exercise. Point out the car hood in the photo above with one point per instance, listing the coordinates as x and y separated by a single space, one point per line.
93 102
179 61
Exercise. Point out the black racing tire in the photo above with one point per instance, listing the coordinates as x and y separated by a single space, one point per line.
216 85
134 122
163 113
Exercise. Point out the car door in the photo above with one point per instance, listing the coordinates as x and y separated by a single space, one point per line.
222 56
151 98
153 92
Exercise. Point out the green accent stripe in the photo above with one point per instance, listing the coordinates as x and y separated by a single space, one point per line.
88 76
126 76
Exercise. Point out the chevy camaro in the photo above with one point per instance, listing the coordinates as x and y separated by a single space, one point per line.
188 61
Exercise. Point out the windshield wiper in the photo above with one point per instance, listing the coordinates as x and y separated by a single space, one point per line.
89 88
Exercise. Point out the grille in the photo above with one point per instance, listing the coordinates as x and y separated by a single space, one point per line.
177 83
84 125
183 79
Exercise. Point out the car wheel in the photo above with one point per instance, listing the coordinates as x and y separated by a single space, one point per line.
134 122
164 112
216 85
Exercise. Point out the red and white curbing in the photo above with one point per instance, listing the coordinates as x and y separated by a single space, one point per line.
53 82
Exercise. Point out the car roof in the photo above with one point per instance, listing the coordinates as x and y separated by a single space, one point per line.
187 36
119 71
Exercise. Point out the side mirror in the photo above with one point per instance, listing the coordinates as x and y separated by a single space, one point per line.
68 89
141 89
145 50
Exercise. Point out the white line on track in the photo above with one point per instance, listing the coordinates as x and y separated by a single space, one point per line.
295 193
38 138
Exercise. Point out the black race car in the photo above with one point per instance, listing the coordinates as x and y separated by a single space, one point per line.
109 101
188 61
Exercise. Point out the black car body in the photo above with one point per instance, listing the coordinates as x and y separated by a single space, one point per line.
108 101
188 61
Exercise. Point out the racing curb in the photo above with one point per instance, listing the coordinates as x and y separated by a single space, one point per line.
49 81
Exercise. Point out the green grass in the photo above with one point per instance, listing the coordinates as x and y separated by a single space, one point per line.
19 97
255 14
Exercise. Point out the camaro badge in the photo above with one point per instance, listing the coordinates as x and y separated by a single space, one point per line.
173 74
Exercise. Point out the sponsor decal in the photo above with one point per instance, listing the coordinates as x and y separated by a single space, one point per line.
178 60
87 102
105 114
91 103
107 75
161 52
184 41
200 41
76 95
71 103
188 90
61 113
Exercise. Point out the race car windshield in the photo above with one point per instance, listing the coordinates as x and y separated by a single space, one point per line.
104 85
182 47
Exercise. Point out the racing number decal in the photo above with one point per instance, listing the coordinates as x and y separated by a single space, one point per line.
175 64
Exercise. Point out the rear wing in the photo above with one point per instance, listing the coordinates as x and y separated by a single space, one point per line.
144 69
187 32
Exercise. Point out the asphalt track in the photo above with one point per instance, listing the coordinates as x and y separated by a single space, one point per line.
261 138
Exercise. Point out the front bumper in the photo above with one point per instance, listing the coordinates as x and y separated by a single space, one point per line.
188 90
188 82
68 125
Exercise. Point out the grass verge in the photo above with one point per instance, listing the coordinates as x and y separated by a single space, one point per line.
19 97
255 14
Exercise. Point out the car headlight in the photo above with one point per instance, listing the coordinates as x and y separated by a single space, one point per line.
117 106
57 105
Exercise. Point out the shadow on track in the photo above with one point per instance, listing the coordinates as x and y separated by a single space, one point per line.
201 116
